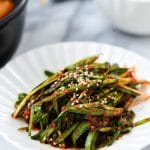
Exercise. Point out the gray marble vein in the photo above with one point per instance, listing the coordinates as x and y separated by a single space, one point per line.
73 20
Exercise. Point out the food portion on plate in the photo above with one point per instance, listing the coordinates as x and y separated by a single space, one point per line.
84 105
6 6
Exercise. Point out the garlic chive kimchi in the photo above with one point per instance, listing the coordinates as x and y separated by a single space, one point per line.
84 105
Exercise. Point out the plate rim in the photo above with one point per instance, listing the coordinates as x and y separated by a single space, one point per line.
48 46
32 50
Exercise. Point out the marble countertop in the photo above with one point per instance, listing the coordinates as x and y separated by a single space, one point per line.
73 20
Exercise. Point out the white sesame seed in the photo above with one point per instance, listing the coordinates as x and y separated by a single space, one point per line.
54 143
71 99
72 103
97 84
80 106
102 102
98 97
84 94
76 101
29 104
32 101
86 73
77 89
91 73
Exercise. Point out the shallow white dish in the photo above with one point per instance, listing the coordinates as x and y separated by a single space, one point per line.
131 16
26 71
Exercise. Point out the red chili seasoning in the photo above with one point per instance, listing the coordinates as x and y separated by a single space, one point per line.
53 125
61 75
90 67
66 92
131 73
27 114
63 108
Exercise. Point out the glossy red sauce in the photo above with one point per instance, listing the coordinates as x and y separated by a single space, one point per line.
6 6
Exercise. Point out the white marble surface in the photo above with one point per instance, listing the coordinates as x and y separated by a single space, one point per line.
74 20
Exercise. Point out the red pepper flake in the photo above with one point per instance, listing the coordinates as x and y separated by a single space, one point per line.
27 114
132 73
53 125
63 108
106 119
61 75
90 67
63 147
90 92
66 92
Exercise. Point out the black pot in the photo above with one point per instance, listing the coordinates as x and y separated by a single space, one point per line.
11 28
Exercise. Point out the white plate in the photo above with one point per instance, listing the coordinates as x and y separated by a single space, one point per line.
26 71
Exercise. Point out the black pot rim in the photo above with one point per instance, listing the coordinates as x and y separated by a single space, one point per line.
20 6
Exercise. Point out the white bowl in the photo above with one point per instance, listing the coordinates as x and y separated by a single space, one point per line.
132 16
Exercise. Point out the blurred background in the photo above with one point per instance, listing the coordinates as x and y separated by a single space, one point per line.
75 20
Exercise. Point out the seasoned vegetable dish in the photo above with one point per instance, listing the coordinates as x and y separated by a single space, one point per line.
85 105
